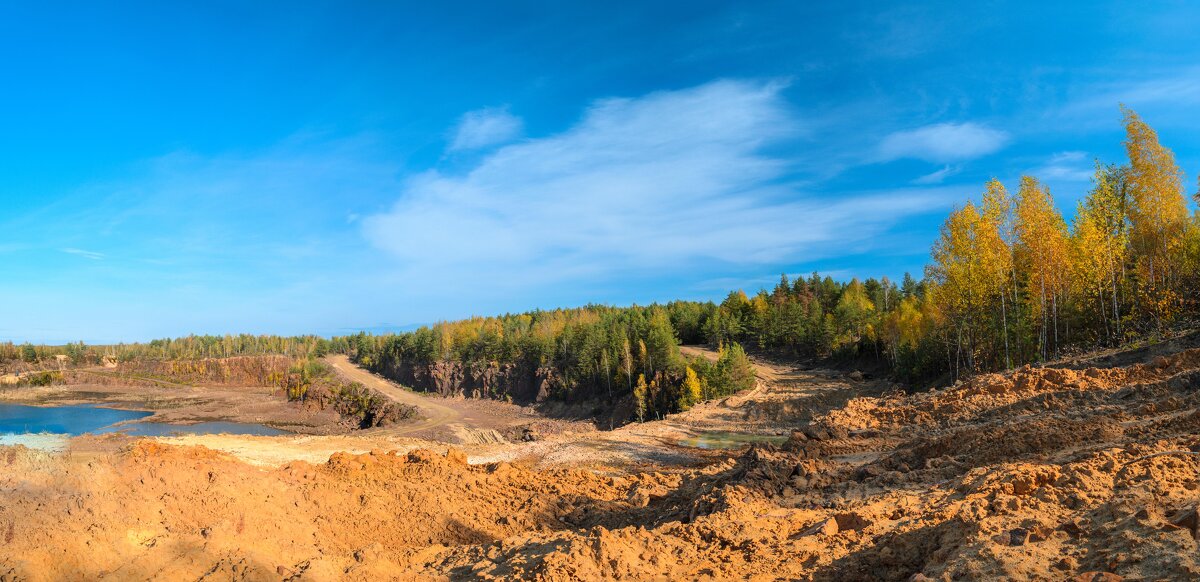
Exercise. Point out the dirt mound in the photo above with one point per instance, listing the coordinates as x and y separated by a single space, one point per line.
163 511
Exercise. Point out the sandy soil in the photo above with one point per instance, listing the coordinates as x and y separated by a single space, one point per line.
1044 473
787 394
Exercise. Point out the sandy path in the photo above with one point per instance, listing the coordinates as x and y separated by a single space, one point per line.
434 414
786 396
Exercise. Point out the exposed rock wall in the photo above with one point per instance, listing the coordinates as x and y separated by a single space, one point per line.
521 384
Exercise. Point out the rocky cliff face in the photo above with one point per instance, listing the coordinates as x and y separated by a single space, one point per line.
233 371
521 384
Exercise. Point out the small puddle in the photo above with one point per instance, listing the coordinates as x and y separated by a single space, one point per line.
53 443
729 440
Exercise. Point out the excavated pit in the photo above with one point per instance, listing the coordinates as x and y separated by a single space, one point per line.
1047 473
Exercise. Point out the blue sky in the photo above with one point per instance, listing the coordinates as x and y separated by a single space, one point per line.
239 167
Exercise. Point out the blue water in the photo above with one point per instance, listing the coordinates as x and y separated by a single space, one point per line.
79 419
72 420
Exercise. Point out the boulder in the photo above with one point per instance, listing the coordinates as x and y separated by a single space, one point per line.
1187 519
827 527
850 522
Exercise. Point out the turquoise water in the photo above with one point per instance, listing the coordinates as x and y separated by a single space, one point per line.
72 420
18 419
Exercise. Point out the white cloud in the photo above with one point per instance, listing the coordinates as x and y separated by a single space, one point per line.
485 127
642 185
1066 166
943 142
938 176
85 254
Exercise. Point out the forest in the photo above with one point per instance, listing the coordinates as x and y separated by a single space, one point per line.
1010 282
192 347
593 353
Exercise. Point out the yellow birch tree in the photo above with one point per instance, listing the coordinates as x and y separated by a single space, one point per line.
1042 251
1158 218
1099 245
993 236
961 275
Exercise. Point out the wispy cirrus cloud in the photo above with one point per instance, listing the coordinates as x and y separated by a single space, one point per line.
665 181
943 143
1166 96
85 254
485 127
1071 166
1176 87
938 176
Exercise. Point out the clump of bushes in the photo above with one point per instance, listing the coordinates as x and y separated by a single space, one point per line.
41 378
314 383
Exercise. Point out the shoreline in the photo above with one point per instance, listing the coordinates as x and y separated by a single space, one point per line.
187 405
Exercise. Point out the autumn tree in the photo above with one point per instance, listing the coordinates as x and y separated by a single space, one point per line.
1042 252
626 357
692 391
1099 245
1158 218
969 271
1192 263
639 397
995 237
854 311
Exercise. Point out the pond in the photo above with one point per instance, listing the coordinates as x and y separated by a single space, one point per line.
729 440
74 420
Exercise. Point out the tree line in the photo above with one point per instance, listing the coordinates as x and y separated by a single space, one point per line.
192 347
593 353
1010 282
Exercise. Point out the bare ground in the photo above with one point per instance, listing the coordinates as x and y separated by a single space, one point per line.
1043 473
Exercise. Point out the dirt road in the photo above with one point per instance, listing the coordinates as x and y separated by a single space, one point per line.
786 395
433 413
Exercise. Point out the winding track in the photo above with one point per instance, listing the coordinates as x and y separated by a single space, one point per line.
434 413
